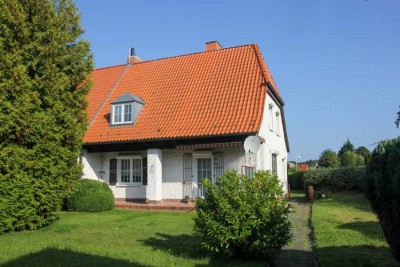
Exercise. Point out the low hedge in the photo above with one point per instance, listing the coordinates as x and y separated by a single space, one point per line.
91 195
296 180
335 179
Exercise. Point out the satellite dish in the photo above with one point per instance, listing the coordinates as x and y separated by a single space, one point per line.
252 144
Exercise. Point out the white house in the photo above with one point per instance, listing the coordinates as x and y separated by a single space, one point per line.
159 127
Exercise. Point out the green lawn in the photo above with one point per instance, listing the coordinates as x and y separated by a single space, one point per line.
115 238
347 233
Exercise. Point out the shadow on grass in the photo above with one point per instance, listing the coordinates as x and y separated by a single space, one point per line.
354 256
185 246
59 257
189 246
368 229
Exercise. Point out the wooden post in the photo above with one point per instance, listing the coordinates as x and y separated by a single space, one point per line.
311 193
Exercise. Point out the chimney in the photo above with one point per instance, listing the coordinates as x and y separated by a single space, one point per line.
213 45
132 59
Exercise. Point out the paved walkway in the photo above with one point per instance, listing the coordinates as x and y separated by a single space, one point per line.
299 252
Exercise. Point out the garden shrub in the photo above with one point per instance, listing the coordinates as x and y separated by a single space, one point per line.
335 179
296 180
91 195
382 189
240 215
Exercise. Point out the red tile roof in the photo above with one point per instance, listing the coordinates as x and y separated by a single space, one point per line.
210 93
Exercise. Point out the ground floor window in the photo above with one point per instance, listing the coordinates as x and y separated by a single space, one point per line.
127 170
248 171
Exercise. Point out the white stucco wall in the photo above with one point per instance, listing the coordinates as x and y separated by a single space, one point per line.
274 142
94 163
234 158
172 168
154 175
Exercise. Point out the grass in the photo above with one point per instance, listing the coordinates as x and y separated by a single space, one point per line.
347 233
114 238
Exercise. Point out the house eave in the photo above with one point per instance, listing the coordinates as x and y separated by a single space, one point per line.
162 143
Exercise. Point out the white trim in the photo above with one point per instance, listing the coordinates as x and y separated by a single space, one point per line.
195 157
122 105
131 158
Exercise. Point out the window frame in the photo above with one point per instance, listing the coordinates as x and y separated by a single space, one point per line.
274 167
271 115
123 107
277 128
131 171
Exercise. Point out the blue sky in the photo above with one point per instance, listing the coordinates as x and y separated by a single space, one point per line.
336 62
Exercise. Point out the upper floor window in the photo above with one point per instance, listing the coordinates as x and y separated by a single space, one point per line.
277 116
122 114
126 109
271 116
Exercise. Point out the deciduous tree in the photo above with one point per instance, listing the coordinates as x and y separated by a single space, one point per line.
328 159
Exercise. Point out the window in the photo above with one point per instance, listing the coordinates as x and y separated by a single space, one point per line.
126 109
277 116
274 166
271 117
248 171
122 114
129 170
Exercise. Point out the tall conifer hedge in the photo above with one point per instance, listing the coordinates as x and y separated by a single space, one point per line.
44 65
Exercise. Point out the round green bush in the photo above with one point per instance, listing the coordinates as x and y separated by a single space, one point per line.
91 195
244 216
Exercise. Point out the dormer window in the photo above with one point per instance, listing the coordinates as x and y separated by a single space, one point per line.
126 109
122 114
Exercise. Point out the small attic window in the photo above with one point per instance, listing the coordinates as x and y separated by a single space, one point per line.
126 109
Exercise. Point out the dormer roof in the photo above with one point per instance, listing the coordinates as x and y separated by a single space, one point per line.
127 98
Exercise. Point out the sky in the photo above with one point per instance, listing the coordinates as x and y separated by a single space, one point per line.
335 62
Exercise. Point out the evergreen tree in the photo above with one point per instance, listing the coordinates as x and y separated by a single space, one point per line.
347 146
44 66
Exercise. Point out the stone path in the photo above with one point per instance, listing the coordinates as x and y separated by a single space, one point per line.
299 252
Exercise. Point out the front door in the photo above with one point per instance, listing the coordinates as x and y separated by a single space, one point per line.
203 170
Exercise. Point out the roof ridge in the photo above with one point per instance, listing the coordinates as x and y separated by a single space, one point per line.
191 54
109 67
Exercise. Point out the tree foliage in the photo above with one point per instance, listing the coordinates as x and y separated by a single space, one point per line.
43 62
350 158
240 215
347 146
328 159
382 189
365 153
